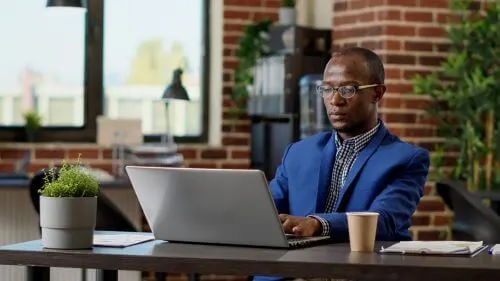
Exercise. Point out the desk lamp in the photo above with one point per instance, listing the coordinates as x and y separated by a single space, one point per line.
174 91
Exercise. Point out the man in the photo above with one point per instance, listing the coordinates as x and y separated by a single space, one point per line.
360 166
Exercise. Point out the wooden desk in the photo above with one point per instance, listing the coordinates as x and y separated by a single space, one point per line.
334 261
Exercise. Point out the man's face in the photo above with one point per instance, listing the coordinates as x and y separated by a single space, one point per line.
349 115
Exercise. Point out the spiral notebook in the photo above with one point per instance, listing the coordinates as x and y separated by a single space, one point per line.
447 248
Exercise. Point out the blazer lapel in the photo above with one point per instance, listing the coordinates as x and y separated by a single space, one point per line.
325 173
363 156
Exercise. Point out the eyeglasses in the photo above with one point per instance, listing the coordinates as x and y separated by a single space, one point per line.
347 92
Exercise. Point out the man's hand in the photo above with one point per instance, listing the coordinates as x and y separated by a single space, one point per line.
300 226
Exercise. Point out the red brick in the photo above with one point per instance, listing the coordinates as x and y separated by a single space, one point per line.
399 88
6 167
208 165
410 74
271 3
239 3
12 153
418 16
419 220
431 206
239 166
339 6
214 154
265 15
240 154
393 45
231 64
392 103
234 27
448 18
392 15
431 61
83 153
399 117
430 235
434 3
419 46
107 153
372 45
403 3
398 30
189 153
228 52
442 220
400 59
235 140
392 73
237 14
50 154
420 132
231 39
431 32
428 190
344 19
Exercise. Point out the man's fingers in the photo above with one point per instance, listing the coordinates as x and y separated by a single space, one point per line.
288 226
283 217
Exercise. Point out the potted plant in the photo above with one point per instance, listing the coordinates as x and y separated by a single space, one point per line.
466 106
32 124
287 13
68 207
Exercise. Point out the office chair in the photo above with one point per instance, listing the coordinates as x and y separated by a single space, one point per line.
473 220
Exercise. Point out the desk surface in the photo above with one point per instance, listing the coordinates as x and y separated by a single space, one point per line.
333 260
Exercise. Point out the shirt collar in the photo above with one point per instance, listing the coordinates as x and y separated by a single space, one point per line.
360 141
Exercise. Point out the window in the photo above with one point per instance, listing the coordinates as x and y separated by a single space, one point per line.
41 57
113 58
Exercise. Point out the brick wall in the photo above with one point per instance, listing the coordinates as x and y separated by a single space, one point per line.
410 37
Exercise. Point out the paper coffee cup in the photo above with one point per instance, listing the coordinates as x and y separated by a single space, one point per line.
362 230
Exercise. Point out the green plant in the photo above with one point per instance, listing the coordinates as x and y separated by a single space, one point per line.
288 3
71 181
251 46
465 94
32 121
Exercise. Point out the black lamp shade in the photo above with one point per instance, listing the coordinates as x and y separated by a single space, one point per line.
176 90
65 3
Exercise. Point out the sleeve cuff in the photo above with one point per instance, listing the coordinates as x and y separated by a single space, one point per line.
325 226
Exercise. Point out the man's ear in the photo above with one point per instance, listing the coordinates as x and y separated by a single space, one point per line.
379 93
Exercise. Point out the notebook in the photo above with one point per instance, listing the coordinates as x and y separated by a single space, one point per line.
465 248
120 240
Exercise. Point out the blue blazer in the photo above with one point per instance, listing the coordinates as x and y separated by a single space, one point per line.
387 177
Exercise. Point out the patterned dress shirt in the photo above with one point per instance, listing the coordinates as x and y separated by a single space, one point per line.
347 152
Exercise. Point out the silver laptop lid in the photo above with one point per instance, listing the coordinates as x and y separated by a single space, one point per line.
208 205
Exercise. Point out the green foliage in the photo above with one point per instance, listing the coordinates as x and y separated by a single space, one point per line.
72 181
251 46
32 121
466 93
288 3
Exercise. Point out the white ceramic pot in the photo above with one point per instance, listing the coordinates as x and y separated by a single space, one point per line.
68 222
287 16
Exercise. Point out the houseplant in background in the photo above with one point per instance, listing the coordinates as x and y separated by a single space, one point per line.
287 13
68 207
465 95
32 124
251 46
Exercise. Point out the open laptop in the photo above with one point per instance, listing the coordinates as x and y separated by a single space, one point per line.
214 206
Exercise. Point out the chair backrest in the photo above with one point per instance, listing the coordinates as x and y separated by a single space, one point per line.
473 220
109 217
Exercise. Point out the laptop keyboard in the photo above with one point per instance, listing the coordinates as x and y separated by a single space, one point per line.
295 241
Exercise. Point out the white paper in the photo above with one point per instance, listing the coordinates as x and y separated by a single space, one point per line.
495 250
120 240
434 247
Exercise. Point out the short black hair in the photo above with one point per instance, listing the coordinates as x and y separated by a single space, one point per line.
374 64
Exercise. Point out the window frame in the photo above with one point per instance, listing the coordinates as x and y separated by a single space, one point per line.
93 100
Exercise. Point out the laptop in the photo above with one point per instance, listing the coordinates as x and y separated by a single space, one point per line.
211 206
